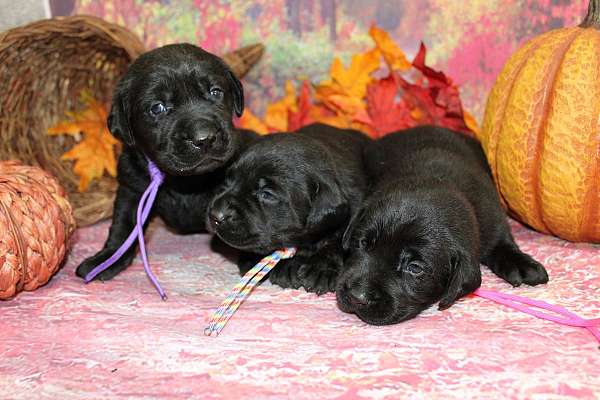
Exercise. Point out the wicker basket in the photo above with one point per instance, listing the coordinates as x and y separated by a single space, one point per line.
44 66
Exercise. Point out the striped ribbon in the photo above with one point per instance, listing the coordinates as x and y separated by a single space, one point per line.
249 281
241 291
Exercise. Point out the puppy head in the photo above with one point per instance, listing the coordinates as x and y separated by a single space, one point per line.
281 192
406 253
176 104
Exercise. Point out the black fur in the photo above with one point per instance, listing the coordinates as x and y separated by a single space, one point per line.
432 217
174 105
293 189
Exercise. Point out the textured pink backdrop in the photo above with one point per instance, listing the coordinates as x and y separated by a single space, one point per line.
68 340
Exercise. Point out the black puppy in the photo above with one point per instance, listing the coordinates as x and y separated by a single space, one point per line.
432 217
175 106
293 189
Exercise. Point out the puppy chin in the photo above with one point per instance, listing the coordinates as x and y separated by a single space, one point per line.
184 159
388 319
244 241
171 165
384 313
386 309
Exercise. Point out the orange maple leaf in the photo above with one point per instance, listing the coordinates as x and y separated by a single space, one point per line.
251 122
345 91
95 152
276 116
343 100
351 82
471 123
393 56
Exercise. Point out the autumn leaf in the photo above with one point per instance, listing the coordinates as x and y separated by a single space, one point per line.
276 116
471 123
352 98
92 156
438 100
353 81
95 153
436 78
345 91
343 112
393 56
302 115
252 122
387 111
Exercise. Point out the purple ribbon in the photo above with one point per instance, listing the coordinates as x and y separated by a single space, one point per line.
144 207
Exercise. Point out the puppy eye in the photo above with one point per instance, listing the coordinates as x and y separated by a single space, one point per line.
216 92
266 195
157 109
414 268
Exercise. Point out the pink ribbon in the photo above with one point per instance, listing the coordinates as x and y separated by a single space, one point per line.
533 307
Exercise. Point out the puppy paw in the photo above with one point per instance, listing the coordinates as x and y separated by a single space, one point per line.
92 262
318 276
517 268
285 274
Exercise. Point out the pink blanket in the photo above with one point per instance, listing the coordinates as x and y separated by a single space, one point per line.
118 339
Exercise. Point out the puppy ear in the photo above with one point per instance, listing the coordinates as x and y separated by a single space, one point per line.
465 278
328 208
238 94
118 119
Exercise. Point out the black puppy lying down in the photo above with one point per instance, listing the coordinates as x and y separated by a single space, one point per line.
175 106
293 189
431 218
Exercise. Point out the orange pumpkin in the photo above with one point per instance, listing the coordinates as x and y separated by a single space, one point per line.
541 131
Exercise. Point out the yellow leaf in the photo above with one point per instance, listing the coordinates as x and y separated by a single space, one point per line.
353 81
471 123
92 156
343 112
95 152
253 123
65 128
276 116
347 106
393 56
416 113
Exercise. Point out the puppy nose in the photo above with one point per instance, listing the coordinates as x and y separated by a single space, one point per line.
358 296
220 216
202 137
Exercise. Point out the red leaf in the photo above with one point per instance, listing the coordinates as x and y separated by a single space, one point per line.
419 98
302 117
388 114
439 99
436 78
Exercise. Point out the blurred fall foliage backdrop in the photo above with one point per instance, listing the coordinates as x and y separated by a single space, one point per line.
468 40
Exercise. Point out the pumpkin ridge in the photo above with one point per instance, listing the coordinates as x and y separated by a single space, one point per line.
537 137
495 134
591 213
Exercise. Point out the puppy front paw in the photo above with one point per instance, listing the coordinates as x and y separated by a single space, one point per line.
316 274
285 274
517 268
319 276
92 262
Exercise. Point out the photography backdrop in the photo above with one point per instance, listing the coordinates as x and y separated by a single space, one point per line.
470 40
